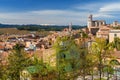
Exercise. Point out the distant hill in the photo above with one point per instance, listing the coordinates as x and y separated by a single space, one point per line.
34 27
9 26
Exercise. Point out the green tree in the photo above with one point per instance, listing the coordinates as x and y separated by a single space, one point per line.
109 70
114 63
117 43
17 61
102 50
3 72
87 60
67 57
42 71
83 52
83 62
92 63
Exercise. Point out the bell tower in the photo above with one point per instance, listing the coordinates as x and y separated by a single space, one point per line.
90 21
70 26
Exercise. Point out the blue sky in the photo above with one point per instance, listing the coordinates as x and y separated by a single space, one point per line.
60 12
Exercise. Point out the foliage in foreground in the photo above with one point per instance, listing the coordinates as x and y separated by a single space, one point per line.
72 60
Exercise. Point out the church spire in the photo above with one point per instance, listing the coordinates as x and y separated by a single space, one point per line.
70 26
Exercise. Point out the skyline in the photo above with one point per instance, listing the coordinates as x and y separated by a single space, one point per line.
58 12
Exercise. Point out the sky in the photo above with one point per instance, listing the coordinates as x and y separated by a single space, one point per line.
58 12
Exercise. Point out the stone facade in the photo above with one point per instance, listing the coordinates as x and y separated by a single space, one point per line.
94 24
113 34
103 32
115 24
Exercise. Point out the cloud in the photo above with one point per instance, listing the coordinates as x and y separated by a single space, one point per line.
59 12
113 7
107 11
89 7
110 10
45 17
77 14
94 8
100 15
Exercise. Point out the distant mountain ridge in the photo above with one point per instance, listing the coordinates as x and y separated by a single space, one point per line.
35 27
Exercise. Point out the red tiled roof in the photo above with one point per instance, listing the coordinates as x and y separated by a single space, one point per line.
2 47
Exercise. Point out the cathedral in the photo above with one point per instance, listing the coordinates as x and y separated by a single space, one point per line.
94 25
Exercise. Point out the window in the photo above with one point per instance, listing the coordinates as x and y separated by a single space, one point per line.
115 35
64 55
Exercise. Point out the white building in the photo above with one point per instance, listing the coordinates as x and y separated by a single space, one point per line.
113 34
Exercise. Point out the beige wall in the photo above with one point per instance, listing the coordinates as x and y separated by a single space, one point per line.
49 56
112 35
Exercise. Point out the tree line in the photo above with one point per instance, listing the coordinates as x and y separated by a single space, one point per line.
46 28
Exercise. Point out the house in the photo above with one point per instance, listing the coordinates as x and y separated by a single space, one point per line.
103 32
115 24
113 34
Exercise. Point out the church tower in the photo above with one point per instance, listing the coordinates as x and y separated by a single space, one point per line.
89 21
70 26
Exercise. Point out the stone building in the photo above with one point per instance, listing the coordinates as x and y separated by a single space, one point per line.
113 34
115 24
103 32
94 25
